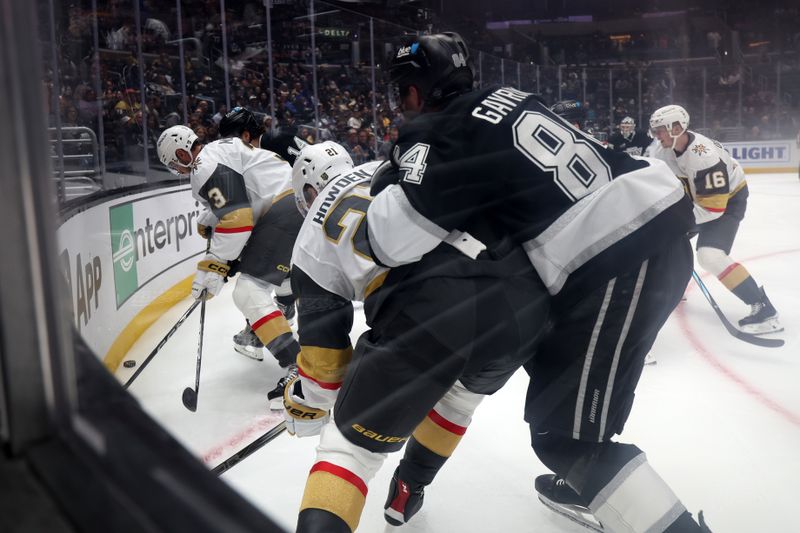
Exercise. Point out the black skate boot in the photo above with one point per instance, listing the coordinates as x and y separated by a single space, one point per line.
763 318
246 342
403 502
559 497
275 396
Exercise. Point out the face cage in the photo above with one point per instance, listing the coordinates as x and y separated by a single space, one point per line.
175 166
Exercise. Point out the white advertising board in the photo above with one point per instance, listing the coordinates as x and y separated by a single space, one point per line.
766 156
122 254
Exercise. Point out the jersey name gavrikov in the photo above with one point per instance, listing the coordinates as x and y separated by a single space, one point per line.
499 104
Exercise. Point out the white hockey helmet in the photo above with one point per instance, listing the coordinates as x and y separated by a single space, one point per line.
627 126
667 116
171 140
316 164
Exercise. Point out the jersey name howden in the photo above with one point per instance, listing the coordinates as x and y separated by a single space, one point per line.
334 189
500 103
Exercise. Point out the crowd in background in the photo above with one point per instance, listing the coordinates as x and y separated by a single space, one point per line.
345 110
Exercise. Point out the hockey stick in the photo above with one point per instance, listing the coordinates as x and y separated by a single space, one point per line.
248 450
161 344
189 396
739 334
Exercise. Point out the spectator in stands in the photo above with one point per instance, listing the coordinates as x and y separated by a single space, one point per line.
221 112
386 148
363 151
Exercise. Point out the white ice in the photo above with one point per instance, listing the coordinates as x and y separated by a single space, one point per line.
718 418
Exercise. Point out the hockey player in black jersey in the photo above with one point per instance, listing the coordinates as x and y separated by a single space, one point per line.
628 139
605 232
420 368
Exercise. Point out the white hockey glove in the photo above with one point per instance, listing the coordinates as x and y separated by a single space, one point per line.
211 273
302 419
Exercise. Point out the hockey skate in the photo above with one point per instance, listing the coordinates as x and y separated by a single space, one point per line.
275 396
559 497
763 318
247 343
403 501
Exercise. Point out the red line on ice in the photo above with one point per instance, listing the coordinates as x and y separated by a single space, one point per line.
716 363
260 426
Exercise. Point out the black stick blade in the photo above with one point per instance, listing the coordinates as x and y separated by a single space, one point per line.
189 399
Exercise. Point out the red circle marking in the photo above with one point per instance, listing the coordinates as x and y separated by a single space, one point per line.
726 371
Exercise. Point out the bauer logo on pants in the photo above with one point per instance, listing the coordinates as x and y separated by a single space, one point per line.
123 249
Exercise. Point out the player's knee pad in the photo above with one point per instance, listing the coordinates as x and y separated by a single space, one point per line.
253 297
285 288
339 478
458 404
713 260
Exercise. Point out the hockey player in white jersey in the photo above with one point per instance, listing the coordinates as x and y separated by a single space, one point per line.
241 122
716 184
328 273
248 192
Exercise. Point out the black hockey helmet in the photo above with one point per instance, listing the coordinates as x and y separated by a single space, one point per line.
238 120
438 65
572 111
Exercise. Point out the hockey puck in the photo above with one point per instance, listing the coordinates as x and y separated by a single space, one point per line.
130 363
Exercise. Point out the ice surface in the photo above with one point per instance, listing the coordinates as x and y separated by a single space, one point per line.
718 418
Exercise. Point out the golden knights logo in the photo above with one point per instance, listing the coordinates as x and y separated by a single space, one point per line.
699 149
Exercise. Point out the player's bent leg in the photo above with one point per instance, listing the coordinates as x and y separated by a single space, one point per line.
431 444
336 488
733 275
253 297
610 479
763 317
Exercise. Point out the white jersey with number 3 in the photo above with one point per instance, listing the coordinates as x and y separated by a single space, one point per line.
237 184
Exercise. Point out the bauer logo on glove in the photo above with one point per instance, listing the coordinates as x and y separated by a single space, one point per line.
301 419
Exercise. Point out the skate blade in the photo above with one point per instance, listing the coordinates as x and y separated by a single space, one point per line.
250 351
770 325
580 515
276 404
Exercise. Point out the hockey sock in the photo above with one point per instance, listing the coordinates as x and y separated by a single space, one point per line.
734 276
320 521
419 464
273 330
738 280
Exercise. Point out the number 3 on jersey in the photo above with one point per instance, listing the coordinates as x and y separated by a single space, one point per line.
554 147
